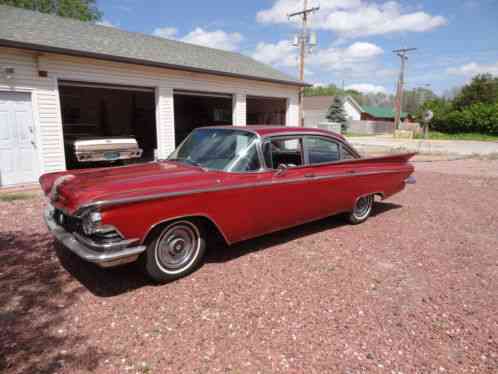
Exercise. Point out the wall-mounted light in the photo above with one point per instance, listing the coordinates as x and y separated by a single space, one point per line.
9 72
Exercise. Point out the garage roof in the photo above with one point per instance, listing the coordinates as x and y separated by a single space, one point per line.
48 33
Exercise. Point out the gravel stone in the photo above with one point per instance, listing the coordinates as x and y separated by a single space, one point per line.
412 290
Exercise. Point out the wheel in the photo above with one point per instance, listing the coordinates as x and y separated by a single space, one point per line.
362 209
175 251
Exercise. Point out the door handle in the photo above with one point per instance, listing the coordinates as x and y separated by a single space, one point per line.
309 175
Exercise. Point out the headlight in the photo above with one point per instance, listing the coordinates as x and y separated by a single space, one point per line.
92 226
90 222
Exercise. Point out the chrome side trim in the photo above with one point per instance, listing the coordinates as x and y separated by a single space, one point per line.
103 259
129 200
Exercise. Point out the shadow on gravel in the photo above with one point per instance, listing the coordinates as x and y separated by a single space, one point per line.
35 294
223 253
116 281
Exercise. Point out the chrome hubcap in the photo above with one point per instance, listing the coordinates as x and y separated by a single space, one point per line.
363 206
177 246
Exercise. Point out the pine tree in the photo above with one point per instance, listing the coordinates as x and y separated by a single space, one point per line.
336 112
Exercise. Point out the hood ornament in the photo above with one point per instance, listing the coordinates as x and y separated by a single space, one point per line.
54 192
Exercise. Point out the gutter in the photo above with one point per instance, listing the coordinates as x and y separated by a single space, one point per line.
135 61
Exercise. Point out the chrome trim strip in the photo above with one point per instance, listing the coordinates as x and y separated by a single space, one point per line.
104 247
106 203
104 259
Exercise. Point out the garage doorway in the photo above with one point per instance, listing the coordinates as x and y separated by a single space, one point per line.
92 110
199 109
266 110
18 156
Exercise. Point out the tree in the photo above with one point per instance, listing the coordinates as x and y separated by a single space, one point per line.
84 10
482 89
336 112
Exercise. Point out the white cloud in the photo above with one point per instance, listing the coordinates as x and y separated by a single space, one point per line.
282 53
344 58
107 23
214 39
474 68
353 18
366 88
165 32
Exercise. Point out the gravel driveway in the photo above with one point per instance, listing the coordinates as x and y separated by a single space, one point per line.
412 290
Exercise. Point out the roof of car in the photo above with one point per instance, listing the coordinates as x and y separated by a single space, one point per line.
268 130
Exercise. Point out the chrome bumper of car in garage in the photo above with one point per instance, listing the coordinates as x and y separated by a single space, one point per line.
104 255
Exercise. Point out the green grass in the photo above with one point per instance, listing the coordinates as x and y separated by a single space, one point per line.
352 134
435 135
14 196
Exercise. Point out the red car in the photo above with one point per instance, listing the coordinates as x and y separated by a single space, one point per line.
238 182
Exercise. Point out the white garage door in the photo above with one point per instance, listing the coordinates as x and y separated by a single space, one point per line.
17 147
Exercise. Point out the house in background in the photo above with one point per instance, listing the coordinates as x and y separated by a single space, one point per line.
315 109
374 113
60 77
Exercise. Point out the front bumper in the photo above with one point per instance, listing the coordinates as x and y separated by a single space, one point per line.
104 256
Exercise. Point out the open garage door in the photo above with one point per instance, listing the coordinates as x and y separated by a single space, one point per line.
266 110
107 112
199 109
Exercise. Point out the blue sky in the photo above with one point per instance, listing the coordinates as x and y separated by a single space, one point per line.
455 38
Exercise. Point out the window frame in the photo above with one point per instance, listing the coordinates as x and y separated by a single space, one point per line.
270 139
341 147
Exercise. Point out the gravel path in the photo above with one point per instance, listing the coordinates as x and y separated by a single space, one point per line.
412 290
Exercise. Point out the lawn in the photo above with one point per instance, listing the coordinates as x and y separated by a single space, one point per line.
435 135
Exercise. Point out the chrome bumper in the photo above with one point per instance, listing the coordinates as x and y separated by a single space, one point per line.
112 255
410 180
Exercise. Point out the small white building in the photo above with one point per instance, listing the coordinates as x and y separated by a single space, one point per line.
316 107
61 77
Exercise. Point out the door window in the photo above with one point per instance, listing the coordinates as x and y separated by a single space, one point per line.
286 151
320 150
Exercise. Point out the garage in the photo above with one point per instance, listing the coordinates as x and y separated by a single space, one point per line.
68 89
99 111
266 110
198 109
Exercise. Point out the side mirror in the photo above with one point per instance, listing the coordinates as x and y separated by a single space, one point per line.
282 168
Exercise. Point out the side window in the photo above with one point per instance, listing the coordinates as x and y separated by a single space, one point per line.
286 151
321 150
346 155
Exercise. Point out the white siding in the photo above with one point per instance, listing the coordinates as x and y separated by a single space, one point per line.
352 112
239 109
47 105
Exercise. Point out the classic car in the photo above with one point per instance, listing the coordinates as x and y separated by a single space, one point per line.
233 182
91 149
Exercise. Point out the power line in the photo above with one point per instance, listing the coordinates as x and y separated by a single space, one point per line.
305 40
399 91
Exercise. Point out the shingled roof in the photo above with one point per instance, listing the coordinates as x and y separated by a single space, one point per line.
48 33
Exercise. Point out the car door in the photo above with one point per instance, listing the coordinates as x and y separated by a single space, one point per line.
334 180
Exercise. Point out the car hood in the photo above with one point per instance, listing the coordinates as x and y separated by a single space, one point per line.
76 188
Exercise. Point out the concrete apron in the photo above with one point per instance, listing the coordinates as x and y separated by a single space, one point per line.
437 147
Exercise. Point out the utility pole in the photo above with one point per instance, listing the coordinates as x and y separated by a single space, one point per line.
399 90
305 41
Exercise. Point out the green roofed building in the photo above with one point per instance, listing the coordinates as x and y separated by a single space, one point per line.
374 113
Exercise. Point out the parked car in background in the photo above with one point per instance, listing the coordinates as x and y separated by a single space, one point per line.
238 183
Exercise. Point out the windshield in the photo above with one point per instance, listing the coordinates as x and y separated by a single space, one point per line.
219 149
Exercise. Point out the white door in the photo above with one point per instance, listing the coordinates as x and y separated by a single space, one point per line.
18 161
